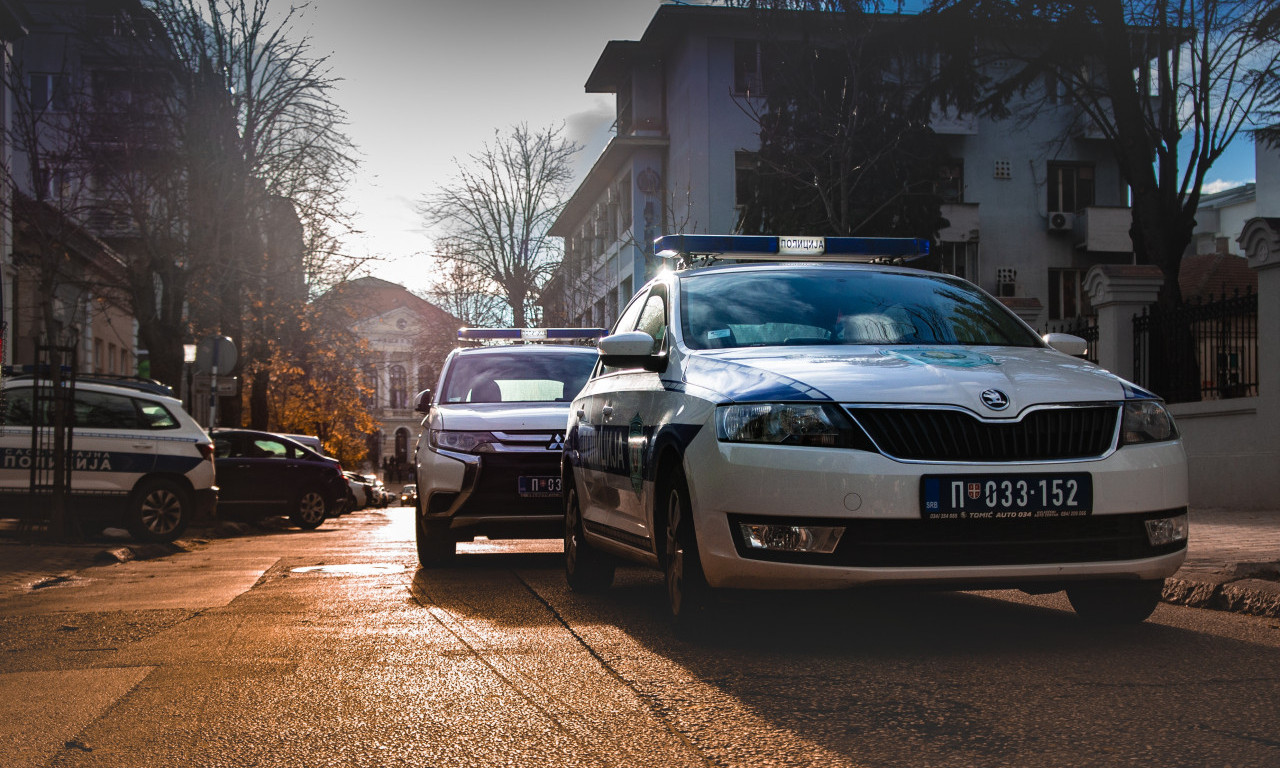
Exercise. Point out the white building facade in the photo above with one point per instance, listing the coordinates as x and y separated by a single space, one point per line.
1031 207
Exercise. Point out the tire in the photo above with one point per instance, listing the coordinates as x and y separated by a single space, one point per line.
436 545
159 510
586 568
310 509
689 597
1115 602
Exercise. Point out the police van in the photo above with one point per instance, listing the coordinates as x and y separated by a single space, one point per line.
787 423
487 461
138 460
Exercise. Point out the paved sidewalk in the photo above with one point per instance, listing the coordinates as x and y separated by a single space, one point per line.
1233 562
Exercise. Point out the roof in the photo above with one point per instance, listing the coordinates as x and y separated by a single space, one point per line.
1214 276
371 296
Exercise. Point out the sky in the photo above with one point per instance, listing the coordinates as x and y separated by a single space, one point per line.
428 82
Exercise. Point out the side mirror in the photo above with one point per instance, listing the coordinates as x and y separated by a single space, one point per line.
632 349
422 403
1066 343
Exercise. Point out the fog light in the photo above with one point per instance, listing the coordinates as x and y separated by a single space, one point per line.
792 538
1167 530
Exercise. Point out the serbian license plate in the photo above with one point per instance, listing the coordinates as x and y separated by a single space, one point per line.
539 486
1006 497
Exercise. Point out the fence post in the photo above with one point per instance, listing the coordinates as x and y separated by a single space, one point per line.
1118 292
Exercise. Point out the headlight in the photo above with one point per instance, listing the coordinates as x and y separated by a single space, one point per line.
814 424
1146 421
462 442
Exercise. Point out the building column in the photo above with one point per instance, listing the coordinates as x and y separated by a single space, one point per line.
1118 292
1260 240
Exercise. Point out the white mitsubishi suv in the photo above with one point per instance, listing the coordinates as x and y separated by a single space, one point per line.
824 425
137 458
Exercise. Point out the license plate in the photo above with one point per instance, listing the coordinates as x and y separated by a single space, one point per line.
1006 497
539 486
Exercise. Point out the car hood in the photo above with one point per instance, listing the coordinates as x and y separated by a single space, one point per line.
502 417
894 374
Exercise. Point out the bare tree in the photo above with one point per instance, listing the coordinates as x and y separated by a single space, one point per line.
498 211
463 292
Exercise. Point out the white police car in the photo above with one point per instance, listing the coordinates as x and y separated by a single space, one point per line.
137 458
487 461
804 425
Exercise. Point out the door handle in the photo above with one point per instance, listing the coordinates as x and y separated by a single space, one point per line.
607 410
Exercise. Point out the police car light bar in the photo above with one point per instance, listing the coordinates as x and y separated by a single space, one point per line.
529 334
770 248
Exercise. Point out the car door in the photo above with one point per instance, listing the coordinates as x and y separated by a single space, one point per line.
618 415
111 448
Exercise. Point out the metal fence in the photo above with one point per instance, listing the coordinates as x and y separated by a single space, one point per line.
1084 327
1217 340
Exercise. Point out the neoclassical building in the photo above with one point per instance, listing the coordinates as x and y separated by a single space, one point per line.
407 339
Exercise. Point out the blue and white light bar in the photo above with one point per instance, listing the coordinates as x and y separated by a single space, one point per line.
529 334
770 248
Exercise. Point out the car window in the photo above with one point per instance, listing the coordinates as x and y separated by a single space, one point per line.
17 407
223 448
516 377
841 306
155 415
653 318
266 448
99 410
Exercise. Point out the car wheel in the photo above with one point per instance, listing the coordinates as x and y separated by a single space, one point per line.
586 568
1116 602
436 545
688 595
159 510
309 510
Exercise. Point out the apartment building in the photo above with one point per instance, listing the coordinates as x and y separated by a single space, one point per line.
1031 207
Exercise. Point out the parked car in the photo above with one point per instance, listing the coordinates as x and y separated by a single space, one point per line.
821 426
359 491
262 474
488 457
408 495
378 494
138 460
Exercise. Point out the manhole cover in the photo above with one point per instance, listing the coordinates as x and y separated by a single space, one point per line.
352 569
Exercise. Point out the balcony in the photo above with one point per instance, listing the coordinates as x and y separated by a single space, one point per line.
964 223
1103 228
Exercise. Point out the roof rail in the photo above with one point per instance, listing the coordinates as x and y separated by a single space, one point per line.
775 248
137 383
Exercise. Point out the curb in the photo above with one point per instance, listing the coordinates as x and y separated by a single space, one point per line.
1251 588
142 551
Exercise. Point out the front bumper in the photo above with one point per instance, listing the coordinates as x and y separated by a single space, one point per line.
887 541
478 493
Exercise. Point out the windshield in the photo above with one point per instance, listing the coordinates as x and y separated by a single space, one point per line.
840 306
516 377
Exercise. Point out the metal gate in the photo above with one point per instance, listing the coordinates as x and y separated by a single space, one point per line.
52 421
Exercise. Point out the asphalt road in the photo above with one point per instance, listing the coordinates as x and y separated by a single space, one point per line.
331 648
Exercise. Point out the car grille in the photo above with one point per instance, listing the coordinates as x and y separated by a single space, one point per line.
944 543
932 434
496 490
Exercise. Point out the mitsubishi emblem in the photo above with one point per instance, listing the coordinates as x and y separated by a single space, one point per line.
557 442
995 399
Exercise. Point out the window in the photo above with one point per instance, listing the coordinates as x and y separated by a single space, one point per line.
950 182
625 291
1067 299
1070 187
49 92
959 259
745 181
399 387
426 377
102 411
156 416
371 386
17 407
747 79
516 376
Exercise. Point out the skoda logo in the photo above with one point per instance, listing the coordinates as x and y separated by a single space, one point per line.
995 399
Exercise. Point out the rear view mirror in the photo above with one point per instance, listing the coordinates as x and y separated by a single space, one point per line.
422 403
1066 343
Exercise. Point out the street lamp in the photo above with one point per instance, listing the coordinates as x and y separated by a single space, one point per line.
188 358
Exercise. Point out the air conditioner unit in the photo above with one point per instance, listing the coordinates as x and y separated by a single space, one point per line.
1060 221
